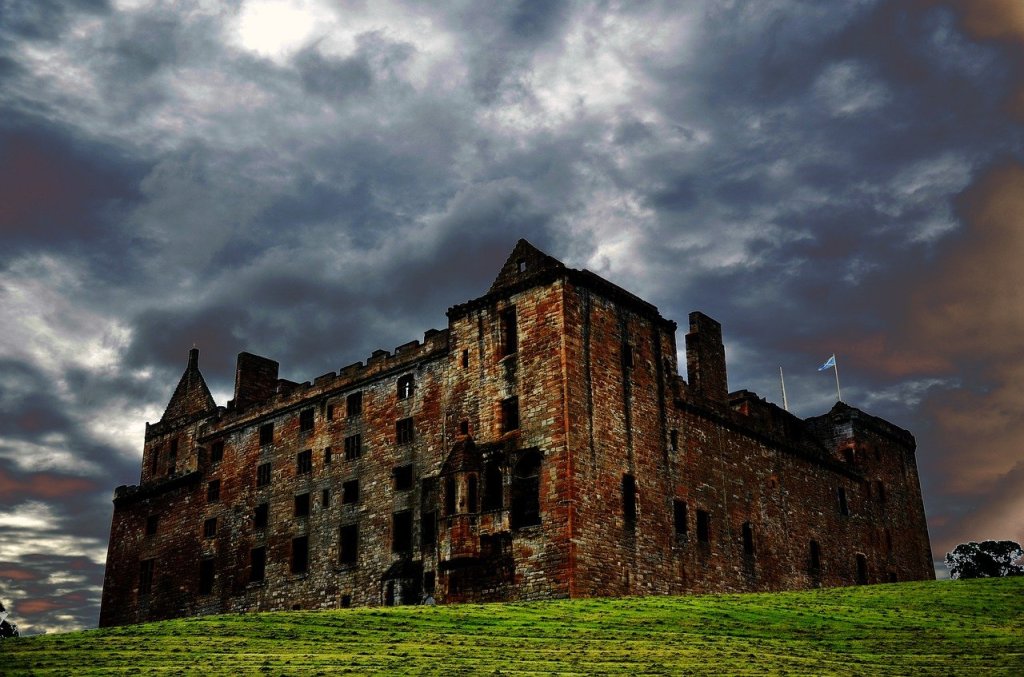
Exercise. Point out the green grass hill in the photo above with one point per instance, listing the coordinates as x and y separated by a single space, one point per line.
934 628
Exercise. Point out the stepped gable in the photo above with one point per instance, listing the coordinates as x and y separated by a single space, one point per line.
525 261
192 396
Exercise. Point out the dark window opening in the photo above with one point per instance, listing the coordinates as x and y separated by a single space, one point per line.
348 552
350 492
862 569
464 427
471 491
465 358
428 530
404 431
526 491
261 516
815 557
428 583
346 601
509 414
172 458
353 447
405 386
748 540
403 477
213 491
300 555
521 266
679 512
449 495
304 462
267 433
325 498
328 455
151 524
703 526
892 577
210 528
848 455
844 507
509 332
302 505
257 564
627 356
262 474
330 412
354 404
217 452
880 491
306 420
673 440
401 532
206 576
629 500
493 487
145 576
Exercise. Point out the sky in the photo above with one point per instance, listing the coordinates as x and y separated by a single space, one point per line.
311 180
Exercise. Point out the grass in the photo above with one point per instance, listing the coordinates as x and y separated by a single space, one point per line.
932 628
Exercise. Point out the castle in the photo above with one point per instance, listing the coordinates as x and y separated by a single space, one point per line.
542 446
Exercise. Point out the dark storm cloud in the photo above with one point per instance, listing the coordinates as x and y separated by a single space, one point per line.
46 19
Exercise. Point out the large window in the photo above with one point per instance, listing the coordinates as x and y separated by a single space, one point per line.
302 505
348 551
261 516
353 447
354 404
257 564
206 575
304 462
300 555
404 431
267 433
493 489
306 420
403 477
350 492
509 414
263 474
526 491
401 532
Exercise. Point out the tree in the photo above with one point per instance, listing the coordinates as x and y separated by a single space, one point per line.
988 559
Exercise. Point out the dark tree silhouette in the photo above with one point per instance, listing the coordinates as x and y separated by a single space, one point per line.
6 629
988 559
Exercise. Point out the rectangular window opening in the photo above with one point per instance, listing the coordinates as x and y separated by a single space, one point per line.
679 513
300 555
403 477
844 507
306 420
257 564
401 532
353 447
629 500
350 492
348 552
263 474
428 530
261 516
748 540
354 404
509 332
304 462
328 455
217 451
509 414
145 576
404 431
302 505
206 576
151 524
465 358
210 528
266 434
703 526
325 498
213 491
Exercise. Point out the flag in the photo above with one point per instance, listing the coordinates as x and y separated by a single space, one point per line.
831 362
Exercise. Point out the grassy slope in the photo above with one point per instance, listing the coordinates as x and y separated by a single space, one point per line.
947 627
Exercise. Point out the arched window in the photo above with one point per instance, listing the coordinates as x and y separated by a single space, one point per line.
526 491
405 385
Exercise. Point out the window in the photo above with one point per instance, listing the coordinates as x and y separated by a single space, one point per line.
172 458
353 447
404 432
405 385
465 358
815 558
217 451
679 512
350 492
627 356
844 508
521 266
629 500
330 412
509 414
325 498
401 532
213 491
464 427
262 474
880 491
862 569
348 550
328 455
748 540
703 526
428 530
300 555
449 495
471 493
206 576
302 505
403 477
257 564
428 583
526 491
306 420
151 524
210 528
509 331
267 434
493 498
673 440
304 462
261 516
354 404
848 455
145 576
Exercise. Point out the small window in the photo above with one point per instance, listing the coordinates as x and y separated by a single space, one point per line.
405 386
703 526
748 540
509 332
354 404
629 500
673 440
509 414
206 576
348 551
521 266
862 569
210 528
217 451
328 455
449 495
679 512
213 491
493 487
325 498
300 555
145 576
353 447
401 532
257 564
815 558
404 431
263 474
306 420
302 505
844 507
428 530
471 494
465 358
350 492
304 462
464 427
151 524
267 433
330 412
627 356
261 516
403 477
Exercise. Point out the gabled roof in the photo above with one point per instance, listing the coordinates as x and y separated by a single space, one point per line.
525 261
192 396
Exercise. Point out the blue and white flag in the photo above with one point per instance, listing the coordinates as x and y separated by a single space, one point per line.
831 362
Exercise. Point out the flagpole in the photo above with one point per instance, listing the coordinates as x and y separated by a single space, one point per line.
835 365
782 380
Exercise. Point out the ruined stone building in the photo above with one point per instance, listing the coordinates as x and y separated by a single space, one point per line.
543 445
